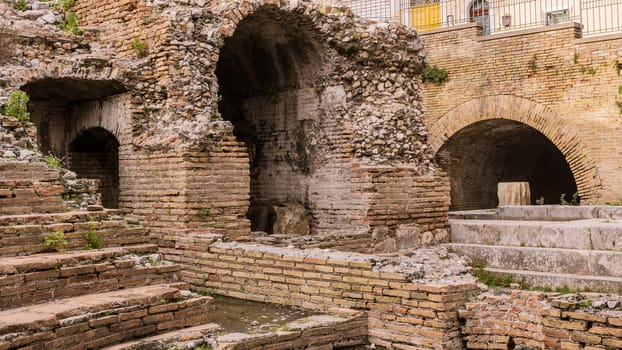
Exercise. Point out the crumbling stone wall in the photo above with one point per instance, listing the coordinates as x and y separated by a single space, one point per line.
318 140
538 320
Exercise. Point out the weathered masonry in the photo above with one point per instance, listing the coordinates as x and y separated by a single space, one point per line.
232 143
540 105
241 117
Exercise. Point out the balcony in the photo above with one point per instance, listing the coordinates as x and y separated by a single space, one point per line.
495 16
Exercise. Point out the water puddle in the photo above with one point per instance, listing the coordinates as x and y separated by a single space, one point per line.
237 315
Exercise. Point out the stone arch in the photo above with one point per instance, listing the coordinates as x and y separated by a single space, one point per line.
265 73
83 115
539 117
66 99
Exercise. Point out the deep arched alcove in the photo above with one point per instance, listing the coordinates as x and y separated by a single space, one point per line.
94 154
482 154
265 73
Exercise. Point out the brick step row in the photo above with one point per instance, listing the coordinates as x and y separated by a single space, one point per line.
27 196
334 330
57 217
102 319
41 277
173 339
33 171
28 238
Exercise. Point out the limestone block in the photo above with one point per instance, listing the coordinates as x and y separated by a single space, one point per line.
514 193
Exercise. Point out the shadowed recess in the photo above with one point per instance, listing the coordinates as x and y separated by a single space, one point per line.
271 56
70 89
94 154
488 152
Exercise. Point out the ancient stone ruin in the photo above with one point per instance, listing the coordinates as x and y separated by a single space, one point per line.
268 151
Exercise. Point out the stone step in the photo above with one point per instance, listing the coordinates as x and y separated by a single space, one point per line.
553 281
197 334
599 234
23 170
542 213
555 260
103 319
53 218
38 278
27 238
31 196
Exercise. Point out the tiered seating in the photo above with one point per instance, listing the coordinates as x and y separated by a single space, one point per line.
68 296
573 248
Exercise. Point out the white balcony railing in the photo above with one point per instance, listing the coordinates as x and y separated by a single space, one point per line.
596 16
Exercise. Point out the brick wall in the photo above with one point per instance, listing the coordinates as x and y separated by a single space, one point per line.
197 191
169 126
119 22
561 85
540 320
401 313
399 196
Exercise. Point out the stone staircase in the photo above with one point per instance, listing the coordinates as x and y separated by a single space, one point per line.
556 247
79 298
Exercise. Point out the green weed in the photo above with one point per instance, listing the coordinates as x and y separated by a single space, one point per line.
574 201
55 240
64 4
53 161
203 213
434 74
70 24
17 106
140 47
93 241
20 5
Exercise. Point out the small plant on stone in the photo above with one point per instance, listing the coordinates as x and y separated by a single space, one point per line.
573 201
64 4
434 74
203 213
533 66
563 290
320 86
20 5
55 240
153 262
70 23
53 161
584 303
203 347
140 47
93 241
17 106
575 58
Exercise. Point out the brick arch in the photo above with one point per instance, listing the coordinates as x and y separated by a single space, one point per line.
530 113
110 81
236 12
